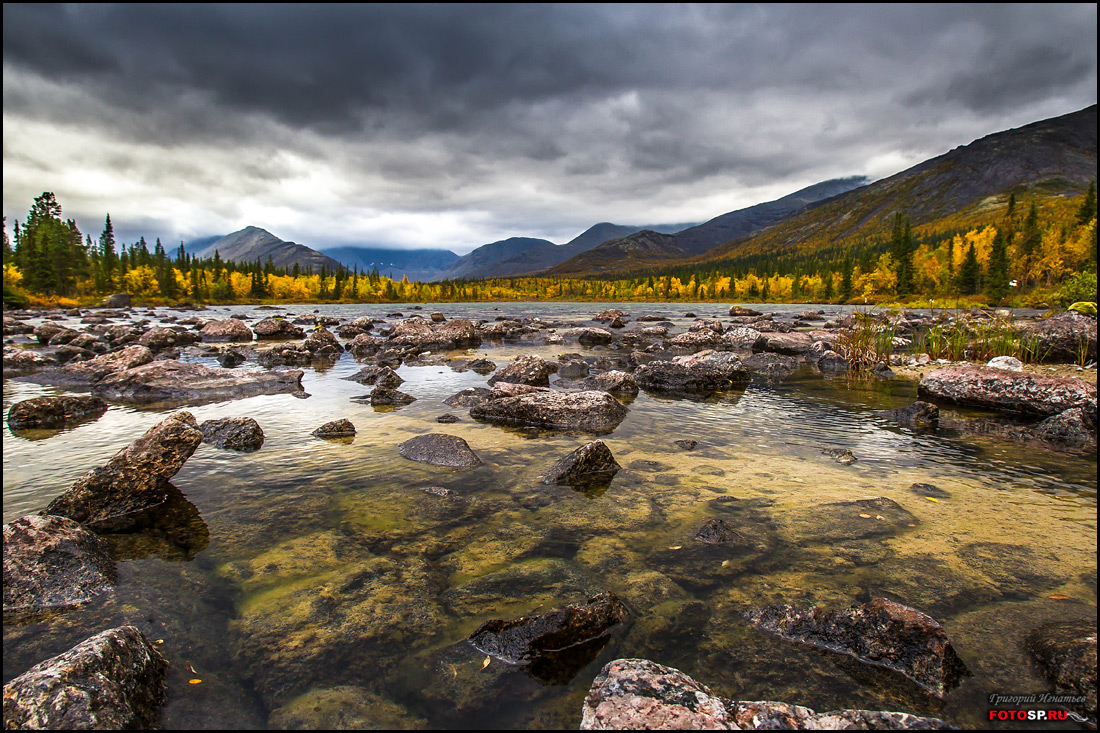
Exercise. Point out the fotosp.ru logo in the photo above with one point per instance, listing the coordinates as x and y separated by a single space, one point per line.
1044 698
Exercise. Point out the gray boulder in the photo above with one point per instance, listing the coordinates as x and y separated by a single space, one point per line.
342 428
589 411
277 329
1001 389
439 449
703 372
233 433
591 463
229 329
533 370
178 382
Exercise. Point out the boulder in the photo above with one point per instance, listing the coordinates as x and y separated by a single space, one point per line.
591 463
85 374
1001 389
341 428
44 332
832 363
1060 338
573 369
792 344
1006 362
54 412
159 338
287 354
703 372
764 715
470 397
361 325
1066 652
178 382
880 632
52 561
589 411
439 449
277 329
696 340
743 338
109 497
233 433
381 395
114 680
366 345
382 376
741 311
588 336
321 342
533 370
229 329
920 415
614 382
523 640
480 366
1072 429
419 335
118 300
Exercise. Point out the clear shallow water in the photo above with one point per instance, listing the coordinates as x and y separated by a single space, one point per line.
319 586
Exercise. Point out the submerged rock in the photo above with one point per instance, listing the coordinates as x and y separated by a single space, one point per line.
921 415
591 463
1001 389
114 680
341 428
85 374
471 397
613 382
343 707
233 433
1066 652
525 639
842 456
54 412
439 449
381 395
173 381
784 716
589 411
880 632
108 497
53 561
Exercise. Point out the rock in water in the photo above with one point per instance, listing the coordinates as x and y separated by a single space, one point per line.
1067 655
703 372
636 694
524 639
53 561
277 329
233 433
921 415
591 463
54 412
108 497
341 428
439 449
114 680
589 411
229 329
175 382
532 370
880 632
1001 389
784 716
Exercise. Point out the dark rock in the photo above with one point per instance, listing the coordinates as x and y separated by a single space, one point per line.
438 449
231 358
380 396
930 490
589 336
45 332
437 318
133 481
1066 652
18 361
741 311
229 329
274 328
54 412
832 362
920 415
53 561
703 372
508 389
471 397
361 325
791 344
233 433
880 632
589 411
523 640
118 300
341 428
743 338
573 369
446 418
717 531
382 376
114 680
883 371
1001 389
418 334
771 367
686 444
614 382
1059 337
321 342
1074 428
85 374
365 345
592 463
842 521
840 455
609 315
480 366
696 340
158 339
172 381
533 370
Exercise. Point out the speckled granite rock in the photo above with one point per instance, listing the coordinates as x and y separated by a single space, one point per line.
54 412
1002 389
439 449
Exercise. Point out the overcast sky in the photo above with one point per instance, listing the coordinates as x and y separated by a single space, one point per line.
452 126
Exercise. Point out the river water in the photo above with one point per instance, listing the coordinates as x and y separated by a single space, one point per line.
315 584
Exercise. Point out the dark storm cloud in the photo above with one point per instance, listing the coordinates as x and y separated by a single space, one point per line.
514 114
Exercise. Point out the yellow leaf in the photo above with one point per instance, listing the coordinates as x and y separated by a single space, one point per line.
725 563
194 682
865 516
932 498
485 663
1058 596
677 547
880 517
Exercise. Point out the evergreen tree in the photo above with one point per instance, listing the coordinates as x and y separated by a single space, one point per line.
1087 212
969 272
1030 240
902 251
997 282
107 256
846 278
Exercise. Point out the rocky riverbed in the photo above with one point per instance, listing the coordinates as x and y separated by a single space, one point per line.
563 487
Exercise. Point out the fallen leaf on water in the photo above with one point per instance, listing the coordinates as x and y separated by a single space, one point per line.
725 563
677 547
194 682
454 671
912 525
932 498
485 663
1058 596
160 641
191 669
865 516
880 517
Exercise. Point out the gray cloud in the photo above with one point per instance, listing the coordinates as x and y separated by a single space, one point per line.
456 125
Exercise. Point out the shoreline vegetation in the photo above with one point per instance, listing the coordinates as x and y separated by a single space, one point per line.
1044 257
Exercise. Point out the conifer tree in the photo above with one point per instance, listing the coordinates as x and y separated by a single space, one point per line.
997 281
969 273
1087 212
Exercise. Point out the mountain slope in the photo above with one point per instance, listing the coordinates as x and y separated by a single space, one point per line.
1056 156
252 243
415 264
649 247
